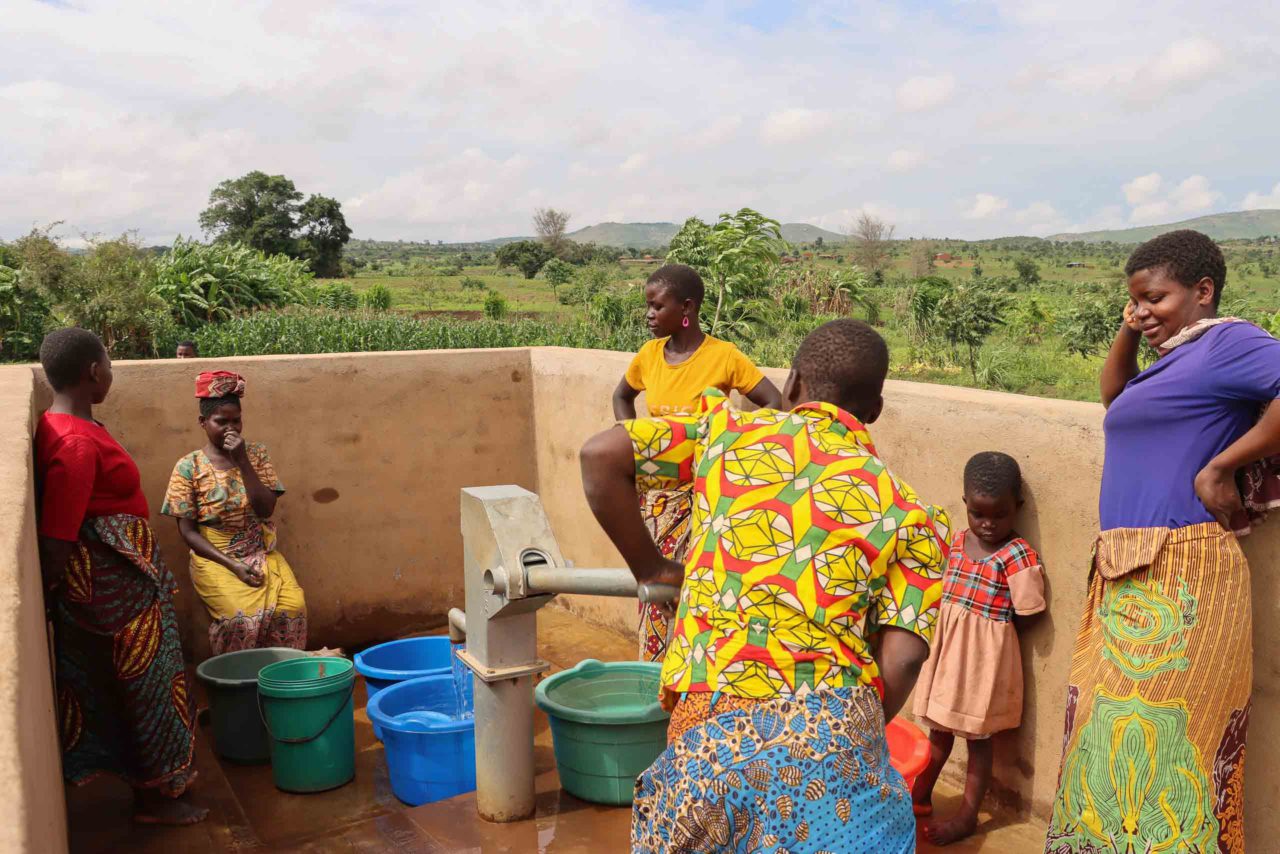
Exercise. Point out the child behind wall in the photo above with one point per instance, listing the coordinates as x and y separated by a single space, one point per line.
971 686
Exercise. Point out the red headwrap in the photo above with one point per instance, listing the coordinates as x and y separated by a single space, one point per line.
219 384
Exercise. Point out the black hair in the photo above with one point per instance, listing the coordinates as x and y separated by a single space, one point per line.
1185 256
843 362
682 280
209 405
993 474
67 353
191 344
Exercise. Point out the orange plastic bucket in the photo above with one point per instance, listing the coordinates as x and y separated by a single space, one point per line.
908 749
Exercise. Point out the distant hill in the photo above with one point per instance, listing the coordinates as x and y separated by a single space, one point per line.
1224 226
645 235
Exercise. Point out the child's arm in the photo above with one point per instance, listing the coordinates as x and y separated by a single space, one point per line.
900 656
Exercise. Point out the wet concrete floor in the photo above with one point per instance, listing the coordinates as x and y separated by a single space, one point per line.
247 812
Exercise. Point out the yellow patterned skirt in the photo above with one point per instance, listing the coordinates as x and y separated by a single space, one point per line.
1158 703
667 514
246 617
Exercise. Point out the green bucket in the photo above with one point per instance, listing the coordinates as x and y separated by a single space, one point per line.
607 726
231 680
306 706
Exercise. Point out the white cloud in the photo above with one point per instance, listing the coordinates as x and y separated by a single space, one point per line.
131 112
1142 188
636 161
1192 195
794 125
985 205
1177 65
1185 61
925 93
718 132
905 160
1262 201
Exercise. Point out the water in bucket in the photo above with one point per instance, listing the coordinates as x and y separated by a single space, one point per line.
463 701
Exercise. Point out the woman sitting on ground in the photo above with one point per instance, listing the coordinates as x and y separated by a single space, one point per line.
673 371
124 701
223 496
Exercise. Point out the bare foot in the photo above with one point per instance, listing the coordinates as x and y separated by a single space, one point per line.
944 832
152 808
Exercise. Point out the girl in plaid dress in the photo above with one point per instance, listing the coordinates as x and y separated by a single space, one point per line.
971 685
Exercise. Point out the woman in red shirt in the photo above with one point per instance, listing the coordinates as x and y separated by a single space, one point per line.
124 701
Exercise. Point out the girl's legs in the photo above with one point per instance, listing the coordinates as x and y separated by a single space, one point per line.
977 779
940 744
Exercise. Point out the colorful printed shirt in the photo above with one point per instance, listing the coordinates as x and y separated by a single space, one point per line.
996 587
217 497
803 546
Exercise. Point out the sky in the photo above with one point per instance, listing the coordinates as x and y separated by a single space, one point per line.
454 121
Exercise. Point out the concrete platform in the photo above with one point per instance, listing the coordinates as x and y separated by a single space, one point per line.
247 812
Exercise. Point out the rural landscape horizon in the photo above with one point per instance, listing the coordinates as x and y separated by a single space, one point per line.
969 177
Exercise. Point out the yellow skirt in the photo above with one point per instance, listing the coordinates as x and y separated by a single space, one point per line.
245 617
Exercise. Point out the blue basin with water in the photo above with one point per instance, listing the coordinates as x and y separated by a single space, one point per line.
429 733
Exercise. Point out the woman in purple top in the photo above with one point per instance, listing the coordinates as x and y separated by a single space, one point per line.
1158 702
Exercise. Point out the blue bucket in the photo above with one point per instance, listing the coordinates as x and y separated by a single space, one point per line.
430 742
395 661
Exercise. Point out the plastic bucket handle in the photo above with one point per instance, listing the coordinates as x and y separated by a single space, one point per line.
261 714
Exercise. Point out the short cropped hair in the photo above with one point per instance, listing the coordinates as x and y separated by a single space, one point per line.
1185 256
993 474
843 361
209 405
65 355
682 280
191 344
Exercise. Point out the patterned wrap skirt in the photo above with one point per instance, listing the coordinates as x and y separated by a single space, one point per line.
124 702
245 617
790 774
667 513
1158 703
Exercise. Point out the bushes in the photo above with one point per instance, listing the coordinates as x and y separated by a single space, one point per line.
203 283
24 316
377 297
336 296
471 283
495 306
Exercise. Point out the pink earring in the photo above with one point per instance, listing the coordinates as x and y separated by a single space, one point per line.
685 322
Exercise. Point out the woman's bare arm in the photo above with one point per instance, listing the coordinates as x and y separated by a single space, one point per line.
624 401
765 395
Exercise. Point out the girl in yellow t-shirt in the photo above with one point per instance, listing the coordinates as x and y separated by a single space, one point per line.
673 371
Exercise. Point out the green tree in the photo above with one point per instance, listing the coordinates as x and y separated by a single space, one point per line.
322 234
527 256
967 316
1028 272
24 316
257 209
737 256
557 273
1090 326
110 292
1032 320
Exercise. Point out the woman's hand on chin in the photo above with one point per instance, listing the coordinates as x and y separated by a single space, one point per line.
1216 488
